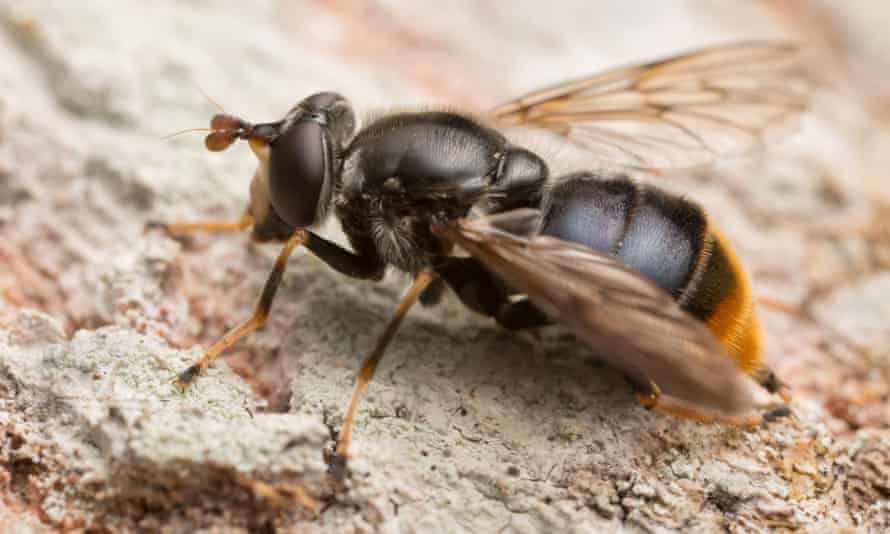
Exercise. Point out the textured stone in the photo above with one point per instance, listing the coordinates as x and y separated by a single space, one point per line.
465 428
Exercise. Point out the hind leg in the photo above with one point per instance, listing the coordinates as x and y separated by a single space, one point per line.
651 398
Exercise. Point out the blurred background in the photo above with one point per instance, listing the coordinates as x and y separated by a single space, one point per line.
87 90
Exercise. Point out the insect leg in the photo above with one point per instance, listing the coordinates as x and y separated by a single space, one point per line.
255 321
370 364
483 292
364 265
521 315
216 227
652 399
770 382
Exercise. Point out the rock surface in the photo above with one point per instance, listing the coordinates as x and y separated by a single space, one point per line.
465 427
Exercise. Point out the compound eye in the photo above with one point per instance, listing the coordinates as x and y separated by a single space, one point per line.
299 166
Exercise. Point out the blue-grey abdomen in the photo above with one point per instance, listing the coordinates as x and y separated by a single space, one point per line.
655 232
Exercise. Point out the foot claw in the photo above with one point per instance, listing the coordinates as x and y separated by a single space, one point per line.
647 400
777 413
156 225
338 466
185 379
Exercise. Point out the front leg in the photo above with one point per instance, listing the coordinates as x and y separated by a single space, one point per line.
255 321
340 259
364 264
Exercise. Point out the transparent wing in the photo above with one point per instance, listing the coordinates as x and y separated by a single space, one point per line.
681 111
632 324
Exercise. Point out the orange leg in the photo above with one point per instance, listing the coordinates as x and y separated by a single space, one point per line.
652 399
677 408
216 227
778 305
370 364
257 320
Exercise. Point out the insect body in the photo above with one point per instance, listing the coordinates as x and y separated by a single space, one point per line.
665 237
611 221
638 273
404 172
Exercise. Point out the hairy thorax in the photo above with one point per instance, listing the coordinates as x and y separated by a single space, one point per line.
399 229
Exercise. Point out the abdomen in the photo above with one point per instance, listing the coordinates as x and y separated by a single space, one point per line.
669 239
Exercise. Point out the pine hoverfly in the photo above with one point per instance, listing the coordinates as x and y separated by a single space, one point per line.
640 274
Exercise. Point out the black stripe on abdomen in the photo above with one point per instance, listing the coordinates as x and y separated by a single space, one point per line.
717 282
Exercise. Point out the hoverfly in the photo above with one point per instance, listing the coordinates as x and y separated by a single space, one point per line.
638 273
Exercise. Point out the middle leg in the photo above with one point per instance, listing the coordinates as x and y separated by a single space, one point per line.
369 366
